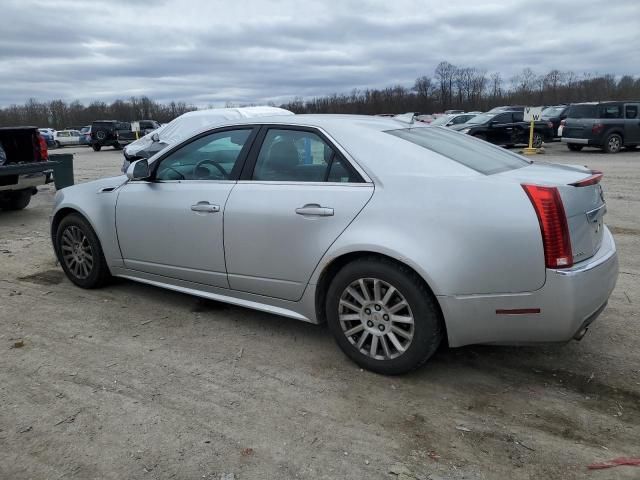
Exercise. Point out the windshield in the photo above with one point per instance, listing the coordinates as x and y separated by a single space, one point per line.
552 111
442 120
479 156
484 118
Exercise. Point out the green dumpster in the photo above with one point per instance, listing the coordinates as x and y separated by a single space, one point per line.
63 171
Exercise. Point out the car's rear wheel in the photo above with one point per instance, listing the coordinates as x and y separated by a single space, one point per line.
80 253
613 143
574 147
383 316
96 147
16 200
537 140
58 144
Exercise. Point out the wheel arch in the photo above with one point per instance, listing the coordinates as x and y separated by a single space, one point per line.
330 270
65 212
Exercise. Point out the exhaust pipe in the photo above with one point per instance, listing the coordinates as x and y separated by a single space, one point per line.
581 333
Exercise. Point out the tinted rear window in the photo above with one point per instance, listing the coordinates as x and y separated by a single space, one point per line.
583 111
479 156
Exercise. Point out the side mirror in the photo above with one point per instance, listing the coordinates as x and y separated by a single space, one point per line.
139 170
155 138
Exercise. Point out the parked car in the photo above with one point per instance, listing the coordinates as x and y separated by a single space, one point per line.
398 236
111 133
451 112
188 124
555 115
606 125
49 136
453 119
24 166
506 128
65 138
507 108
85 135
145 126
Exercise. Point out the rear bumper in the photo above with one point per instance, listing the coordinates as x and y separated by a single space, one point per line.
579 141
568 302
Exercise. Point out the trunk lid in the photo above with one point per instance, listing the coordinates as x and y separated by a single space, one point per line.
584 206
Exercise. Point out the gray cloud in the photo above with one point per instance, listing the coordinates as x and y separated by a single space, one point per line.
250 51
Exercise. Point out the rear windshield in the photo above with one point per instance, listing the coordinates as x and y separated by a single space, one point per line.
479 156
583 111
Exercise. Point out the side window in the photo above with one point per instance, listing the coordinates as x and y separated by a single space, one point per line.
211 157
299 156
460 119
611 111
631 111
503 118
518 116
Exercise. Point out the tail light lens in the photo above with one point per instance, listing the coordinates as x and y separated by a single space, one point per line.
597 128
553 225
596 176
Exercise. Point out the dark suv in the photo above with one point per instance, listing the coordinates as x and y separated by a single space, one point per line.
606 125
506 128
111 133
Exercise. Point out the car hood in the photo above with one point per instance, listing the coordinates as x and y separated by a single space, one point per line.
462 126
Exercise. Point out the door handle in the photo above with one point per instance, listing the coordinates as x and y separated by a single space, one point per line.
205 207
315 210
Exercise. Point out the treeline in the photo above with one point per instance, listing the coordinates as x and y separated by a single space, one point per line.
450 87
59 114
470 88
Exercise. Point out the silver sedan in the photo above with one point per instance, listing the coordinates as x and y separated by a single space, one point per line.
398 236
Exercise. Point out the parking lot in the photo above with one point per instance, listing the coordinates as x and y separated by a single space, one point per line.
132 381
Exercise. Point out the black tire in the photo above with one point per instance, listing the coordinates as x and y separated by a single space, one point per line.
96 147
16 200
98 272
428 329
58 144
613 143
537 140
574 147
117 146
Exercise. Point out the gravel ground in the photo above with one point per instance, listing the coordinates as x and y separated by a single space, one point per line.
132 381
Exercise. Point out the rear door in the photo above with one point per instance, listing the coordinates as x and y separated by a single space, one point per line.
297 195
632 123
580 119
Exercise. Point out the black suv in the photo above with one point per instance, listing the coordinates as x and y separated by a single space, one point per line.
606 125
506 128
111 133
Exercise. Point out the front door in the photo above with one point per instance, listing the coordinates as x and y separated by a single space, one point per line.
632 123
299 195
501 129
173 225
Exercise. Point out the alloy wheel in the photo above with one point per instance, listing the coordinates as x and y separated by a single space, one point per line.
76 252
614 143
376 318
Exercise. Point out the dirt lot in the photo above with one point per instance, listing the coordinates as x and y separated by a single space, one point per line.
132 381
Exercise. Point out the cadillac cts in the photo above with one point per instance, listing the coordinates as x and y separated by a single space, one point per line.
397 236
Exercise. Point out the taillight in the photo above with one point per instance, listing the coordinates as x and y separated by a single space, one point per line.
553 225
595 178
597 128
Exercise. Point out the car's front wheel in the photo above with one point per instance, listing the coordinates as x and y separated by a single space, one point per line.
383 316
80 253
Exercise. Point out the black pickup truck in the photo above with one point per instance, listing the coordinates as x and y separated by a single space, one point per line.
112 133
506 128
24 164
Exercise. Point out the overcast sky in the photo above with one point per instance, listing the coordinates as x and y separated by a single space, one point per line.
254 51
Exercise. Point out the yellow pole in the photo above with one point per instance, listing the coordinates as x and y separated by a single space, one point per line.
530 150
